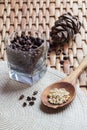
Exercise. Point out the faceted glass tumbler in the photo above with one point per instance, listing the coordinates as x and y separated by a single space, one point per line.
26 66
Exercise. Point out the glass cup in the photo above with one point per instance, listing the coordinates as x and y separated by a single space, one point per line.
27 62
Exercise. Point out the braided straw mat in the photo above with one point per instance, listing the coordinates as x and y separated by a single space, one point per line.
38 117
41 15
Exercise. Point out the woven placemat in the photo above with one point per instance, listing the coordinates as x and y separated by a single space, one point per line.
41 15
38 117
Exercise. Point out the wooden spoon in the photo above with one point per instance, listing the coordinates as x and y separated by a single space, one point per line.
68 83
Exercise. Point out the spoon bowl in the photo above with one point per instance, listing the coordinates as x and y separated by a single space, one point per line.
67 83
69 87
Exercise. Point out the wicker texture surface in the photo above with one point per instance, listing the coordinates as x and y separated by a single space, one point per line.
38 117
41 15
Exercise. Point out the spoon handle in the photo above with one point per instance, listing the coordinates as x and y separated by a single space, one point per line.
74 75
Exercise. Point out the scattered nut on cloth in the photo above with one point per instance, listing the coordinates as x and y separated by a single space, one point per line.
15 117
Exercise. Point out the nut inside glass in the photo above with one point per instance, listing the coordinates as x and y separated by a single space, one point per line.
26 66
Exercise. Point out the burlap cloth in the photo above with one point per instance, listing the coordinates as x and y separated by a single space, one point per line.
37 117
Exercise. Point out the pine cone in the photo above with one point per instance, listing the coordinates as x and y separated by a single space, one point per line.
64 29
